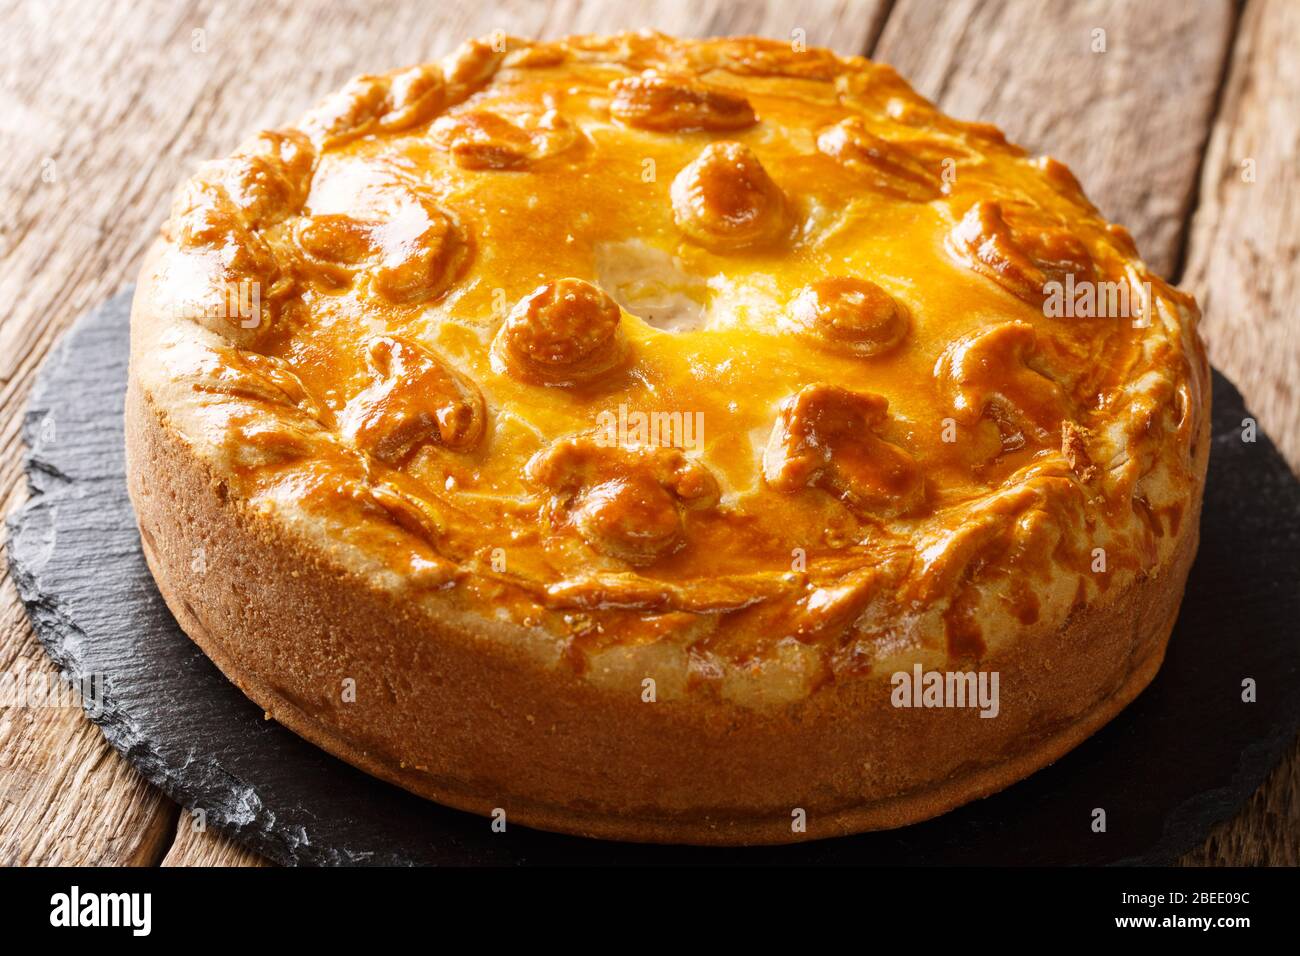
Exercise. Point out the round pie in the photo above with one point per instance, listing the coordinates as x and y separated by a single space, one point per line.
665 440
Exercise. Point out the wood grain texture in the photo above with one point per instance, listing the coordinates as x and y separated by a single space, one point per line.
194 846
105 107
1244 253
1266 832
1131 121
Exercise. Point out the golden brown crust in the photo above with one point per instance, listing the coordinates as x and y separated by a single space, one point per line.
398 466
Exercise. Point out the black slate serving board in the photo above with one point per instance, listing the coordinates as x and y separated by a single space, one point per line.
1185 755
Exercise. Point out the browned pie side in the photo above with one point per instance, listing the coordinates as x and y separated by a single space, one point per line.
468 725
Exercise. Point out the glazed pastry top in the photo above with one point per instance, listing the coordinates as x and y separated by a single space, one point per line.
738 351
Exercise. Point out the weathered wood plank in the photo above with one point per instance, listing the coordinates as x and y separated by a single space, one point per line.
201 847
1130 121
1244 250
1266 833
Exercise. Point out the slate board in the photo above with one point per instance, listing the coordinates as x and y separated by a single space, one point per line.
1184 756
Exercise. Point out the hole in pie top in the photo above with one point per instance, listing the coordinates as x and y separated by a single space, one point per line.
652 285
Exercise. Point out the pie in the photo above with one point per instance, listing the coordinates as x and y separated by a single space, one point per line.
665 440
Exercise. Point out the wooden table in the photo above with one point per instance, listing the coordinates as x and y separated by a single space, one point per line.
1179 116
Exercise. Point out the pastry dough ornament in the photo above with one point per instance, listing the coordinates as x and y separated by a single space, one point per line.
1019 251
563 333
848 313
415 399
827 436
726 201
410 256
486 140
989 373
445 278
886 166
626 503
668 105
